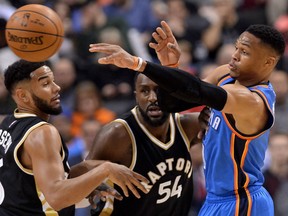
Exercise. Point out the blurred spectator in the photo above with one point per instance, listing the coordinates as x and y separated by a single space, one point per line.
281 24
7 104
112 81
75 144
186 59
279 80
88 105
254 10
7 57
276 175
90 129
115 84
187 24
226 24
275 9
138 14
64 11
65 76
88 22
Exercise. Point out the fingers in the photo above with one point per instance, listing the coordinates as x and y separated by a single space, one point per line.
161 33
115 193
105 190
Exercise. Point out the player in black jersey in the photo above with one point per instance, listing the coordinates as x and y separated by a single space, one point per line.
33 157
155 144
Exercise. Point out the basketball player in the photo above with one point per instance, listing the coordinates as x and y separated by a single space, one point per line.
242 103
33 157
155 144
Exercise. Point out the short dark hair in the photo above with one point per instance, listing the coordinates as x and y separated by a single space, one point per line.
18 71
268 35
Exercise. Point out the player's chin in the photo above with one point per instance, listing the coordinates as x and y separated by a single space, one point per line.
56 109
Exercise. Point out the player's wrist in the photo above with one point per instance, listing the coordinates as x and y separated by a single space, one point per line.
139 64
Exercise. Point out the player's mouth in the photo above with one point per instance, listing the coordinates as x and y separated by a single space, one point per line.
232 66
56 99
154 111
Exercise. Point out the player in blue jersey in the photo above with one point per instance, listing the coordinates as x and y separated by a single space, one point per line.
241 99
33 156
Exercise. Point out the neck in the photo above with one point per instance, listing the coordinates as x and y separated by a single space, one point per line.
41 115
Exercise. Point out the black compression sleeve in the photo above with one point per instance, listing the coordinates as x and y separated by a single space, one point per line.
186 87
171 104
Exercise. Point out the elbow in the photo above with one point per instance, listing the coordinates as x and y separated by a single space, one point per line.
57 203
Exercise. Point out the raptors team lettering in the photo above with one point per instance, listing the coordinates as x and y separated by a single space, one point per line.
172 187
169 165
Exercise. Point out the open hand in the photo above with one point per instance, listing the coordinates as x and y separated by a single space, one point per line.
167 48
114 55
126 178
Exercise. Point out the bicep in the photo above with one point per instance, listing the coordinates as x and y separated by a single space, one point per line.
112 143
43 145
240 100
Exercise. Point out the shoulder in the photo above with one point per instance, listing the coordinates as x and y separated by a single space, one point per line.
217 74
113 134
45 133
113 142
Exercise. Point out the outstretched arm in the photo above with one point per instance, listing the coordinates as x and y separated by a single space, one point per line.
41 153
176 82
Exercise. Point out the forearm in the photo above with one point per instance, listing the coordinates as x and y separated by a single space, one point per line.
83 167
70 191
185 86
171 104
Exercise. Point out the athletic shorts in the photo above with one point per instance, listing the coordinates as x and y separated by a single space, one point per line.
261 204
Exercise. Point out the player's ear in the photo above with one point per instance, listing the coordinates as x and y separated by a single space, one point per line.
21 95
271 61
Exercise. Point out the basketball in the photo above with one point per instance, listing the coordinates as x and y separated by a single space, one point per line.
34 32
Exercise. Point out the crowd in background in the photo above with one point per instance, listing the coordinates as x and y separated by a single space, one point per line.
93 94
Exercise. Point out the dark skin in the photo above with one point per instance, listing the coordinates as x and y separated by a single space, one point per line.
41 149
113 143
251 63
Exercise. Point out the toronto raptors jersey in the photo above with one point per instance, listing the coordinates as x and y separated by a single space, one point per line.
232 160
168 167
18 193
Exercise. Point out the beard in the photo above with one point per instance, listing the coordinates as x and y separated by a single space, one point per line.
154 122
44 106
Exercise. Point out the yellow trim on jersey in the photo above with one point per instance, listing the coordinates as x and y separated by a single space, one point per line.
17 114
19 144
47 209
164 146
133 142
182 132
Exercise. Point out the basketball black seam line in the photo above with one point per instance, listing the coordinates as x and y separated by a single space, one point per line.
34 32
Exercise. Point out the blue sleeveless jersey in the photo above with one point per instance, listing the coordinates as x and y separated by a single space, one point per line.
233 161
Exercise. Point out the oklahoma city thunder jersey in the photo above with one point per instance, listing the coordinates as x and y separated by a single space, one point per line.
168 167
233 161
18 192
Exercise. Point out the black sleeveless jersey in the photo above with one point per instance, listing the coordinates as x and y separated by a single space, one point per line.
168 167
19 195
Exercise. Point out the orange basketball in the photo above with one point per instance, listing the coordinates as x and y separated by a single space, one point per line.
34 32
